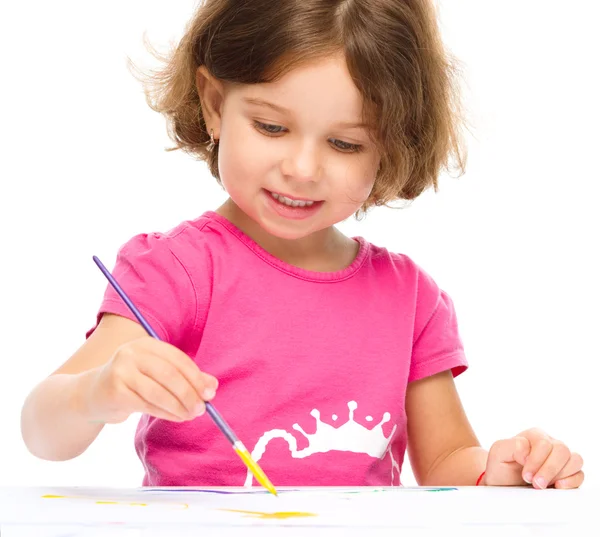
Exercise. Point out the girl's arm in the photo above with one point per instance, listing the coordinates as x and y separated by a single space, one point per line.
55 424
442 446
444 450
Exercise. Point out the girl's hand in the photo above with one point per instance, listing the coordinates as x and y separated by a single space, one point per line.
535 458
148 376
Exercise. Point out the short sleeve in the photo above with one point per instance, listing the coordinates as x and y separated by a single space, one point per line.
157 283
437 344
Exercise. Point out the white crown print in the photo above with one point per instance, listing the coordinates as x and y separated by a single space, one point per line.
350 436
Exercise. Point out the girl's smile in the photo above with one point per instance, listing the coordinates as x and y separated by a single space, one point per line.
293 208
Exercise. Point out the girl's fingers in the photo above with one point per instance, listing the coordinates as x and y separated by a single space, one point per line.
541 459
141 405
571 482
152 410
573 466
205 385
555 461
514 449
505 461
541 447
162 414
174 382
154 394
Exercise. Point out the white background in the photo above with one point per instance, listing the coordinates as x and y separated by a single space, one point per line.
514 241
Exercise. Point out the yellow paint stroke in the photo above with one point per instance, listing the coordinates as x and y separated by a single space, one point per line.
278 515
106 502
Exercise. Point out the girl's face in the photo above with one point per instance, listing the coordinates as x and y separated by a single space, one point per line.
293 154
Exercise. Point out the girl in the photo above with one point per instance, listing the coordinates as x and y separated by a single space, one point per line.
331 356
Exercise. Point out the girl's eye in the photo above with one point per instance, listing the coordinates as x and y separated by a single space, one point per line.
268 129
346 147
273 130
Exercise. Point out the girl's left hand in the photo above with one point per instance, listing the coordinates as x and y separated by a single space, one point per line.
533 457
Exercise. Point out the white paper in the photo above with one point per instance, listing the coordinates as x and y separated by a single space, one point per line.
151 512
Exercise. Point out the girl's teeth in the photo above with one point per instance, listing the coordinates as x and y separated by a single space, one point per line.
289 202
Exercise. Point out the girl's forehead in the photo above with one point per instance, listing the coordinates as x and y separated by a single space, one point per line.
326 80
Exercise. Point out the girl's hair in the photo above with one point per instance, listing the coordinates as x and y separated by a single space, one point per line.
394 54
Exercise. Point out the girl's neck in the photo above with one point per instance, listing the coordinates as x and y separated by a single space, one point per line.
327 250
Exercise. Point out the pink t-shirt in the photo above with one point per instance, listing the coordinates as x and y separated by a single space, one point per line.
312 366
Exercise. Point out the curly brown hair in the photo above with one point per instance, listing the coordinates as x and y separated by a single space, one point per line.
394 54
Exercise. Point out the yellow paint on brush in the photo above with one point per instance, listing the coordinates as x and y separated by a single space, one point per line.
278 515
254 467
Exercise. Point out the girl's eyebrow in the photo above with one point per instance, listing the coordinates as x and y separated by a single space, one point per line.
260 102
285 111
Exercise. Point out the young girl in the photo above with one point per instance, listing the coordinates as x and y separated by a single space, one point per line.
329 356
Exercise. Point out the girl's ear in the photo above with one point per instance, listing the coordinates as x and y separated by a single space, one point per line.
211 93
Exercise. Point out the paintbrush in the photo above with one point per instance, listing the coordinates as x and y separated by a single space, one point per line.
238 446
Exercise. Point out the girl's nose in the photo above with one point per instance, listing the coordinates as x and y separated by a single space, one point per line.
302 163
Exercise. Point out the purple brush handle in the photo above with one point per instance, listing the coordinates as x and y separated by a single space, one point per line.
214 414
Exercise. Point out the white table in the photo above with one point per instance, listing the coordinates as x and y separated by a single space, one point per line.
348 512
